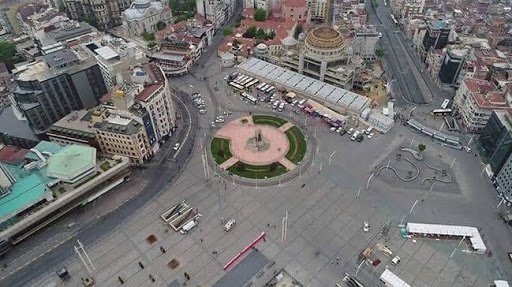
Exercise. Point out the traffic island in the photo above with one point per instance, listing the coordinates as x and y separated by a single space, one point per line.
258 147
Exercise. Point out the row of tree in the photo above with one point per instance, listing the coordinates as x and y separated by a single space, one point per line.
259 33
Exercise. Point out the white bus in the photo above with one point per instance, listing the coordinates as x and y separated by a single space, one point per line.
236 86
250 98
441 112
390 279
269 89
393 19
242 79
251 83
445 103
264 87
260 86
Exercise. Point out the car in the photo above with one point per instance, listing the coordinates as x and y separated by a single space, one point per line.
342 132
229 225
351 130
213 124
371 135
366 226
296 111
332 129
354 135
467 149
395 260
359 137
338 130
176 146
202 111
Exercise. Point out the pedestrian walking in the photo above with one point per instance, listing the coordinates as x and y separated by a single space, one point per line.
162 249
141 265
186 276
120 279
151 278
201 240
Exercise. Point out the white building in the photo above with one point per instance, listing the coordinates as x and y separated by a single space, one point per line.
216 11
318 11
143 15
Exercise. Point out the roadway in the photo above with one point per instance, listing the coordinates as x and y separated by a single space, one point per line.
408 84
168 163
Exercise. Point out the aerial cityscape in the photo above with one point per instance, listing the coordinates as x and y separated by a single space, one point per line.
237 143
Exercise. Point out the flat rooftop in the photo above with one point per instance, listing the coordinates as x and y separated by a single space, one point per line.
305 85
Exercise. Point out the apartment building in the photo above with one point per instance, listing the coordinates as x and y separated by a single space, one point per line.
475 101
104 14
318 11
55 85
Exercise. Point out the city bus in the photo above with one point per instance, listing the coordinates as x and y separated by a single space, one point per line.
248 80
264 87
251 83
260 86
393 19
269 89
441 112
236 86
242 79
250 98
445 103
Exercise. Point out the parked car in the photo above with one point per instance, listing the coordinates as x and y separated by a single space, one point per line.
338 130
350 131
176 146
354 135
467 149
370 135
229 225
366 226
332 129
359 137
395 260
342 132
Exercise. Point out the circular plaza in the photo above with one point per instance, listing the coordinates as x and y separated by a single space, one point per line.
258 147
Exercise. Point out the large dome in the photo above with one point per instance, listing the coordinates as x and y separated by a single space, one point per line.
325 38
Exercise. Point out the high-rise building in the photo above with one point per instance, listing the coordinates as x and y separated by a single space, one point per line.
104 14
496 144
55 85
436 35
451 66
220 11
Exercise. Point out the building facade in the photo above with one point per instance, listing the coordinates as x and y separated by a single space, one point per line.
143 16
56 85
452 66
318 11
105 14
436 35
475 101
412 7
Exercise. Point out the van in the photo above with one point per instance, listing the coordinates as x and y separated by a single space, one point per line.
368 130
354 136
188 226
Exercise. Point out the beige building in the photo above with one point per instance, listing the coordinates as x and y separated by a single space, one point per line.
121 135
143 16
475 101
318 11
104 14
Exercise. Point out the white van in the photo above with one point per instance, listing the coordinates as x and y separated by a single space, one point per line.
368 130
354 135
188 226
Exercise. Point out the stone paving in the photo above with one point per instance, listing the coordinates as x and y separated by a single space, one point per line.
325 222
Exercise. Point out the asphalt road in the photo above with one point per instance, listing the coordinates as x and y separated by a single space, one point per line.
408 86
160 172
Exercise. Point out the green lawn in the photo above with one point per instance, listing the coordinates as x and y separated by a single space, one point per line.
257 171
298 145
220 150
268 120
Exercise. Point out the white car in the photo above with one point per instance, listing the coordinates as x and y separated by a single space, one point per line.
229 224
467 149
366 226
176 146
332 129
351 130
371 135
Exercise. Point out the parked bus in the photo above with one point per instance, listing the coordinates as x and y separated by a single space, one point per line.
247 81
260 86
236 86
269 89
250 98
264 87
242 79
390 279
441 112
393 19
251 83
445 103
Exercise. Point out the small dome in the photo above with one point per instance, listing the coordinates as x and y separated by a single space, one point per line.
261 46
289 41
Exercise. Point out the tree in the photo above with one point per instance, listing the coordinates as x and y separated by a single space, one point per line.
227 31
298 30
271 35
380 52
148 36
250 32
160 25
260 34
273 167
240 166
421 147
260 15
8 53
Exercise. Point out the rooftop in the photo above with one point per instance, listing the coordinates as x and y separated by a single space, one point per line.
76 120
301 84
119 126
61 58
12 126
71 161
